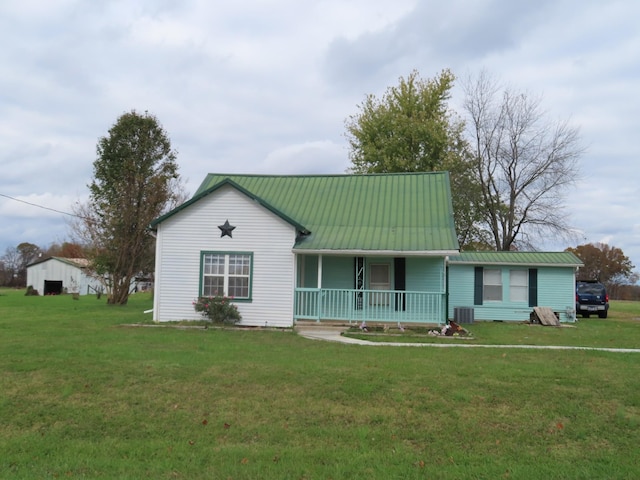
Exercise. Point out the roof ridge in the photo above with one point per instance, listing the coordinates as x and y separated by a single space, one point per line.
310 175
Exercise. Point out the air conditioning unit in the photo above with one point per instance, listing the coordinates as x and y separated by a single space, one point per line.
463 314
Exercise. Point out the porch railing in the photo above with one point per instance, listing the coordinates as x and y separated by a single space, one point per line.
369 305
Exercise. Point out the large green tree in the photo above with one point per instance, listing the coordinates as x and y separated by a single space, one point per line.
135 177
411 129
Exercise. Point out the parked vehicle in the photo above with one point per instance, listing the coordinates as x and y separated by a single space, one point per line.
591 297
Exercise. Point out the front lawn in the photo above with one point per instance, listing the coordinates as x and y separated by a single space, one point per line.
620 330
82 396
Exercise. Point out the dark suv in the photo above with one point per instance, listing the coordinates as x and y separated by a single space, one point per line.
591 297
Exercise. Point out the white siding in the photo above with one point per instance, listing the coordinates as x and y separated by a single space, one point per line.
56 270
182 238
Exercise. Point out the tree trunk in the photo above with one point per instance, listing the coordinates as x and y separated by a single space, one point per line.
120 292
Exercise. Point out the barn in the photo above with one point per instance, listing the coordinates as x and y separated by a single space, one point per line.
57 275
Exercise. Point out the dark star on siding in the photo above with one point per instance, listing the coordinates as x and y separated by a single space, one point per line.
226 229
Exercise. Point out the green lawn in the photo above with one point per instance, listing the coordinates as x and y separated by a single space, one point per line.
82 396
620 330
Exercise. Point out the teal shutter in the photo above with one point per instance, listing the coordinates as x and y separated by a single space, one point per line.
533 287
477 286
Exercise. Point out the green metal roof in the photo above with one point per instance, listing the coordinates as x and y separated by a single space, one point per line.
409 212
566 259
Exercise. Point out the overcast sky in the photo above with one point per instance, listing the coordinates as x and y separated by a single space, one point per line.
265 87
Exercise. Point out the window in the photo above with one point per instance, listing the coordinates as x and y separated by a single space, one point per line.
227 274
492 290
519 285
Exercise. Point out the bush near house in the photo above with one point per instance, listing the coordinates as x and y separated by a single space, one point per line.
218 309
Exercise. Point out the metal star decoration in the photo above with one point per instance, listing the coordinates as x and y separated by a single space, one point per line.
226 229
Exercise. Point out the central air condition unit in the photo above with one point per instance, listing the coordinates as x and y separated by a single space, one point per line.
463 314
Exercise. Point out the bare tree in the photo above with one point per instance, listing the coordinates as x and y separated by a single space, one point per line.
525 163
10 266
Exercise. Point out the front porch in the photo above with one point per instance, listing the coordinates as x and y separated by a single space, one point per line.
355 306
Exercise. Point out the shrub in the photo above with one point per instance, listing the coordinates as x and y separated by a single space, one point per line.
31 291
218 309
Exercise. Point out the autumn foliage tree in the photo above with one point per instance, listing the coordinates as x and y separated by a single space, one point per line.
606 264
66 250
135 178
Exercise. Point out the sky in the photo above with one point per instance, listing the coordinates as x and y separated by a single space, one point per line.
265 87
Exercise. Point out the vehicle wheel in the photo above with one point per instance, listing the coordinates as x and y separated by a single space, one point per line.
603 314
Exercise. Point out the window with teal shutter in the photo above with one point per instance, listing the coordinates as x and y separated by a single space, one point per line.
477 286
533 287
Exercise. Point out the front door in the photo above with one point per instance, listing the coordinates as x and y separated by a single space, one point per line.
379 279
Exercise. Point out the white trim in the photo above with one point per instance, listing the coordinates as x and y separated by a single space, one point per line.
157 274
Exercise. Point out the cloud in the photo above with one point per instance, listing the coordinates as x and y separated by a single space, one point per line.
265 87
306 158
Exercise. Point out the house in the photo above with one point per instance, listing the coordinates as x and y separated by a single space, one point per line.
56 275
344 247
313 247
507 285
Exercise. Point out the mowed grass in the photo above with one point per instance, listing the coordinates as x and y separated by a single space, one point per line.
620 330
83 396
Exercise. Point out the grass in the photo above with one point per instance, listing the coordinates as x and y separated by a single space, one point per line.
82 396
620 330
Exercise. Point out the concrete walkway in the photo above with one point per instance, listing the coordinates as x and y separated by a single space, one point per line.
333 334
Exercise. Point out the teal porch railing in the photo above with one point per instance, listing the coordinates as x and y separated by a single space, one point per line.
369 305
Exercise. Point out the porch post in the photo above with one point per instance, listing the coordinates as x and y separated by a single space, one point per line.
296 279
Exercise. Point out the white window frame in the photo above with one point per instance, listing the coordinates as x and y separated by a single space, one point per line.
519 287
492 285
226 273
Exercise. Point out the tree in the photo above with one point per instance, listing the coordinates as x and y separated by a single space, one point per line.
411 129
13 271
10 263
135 178
606 264
66 250
28 252
525 163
